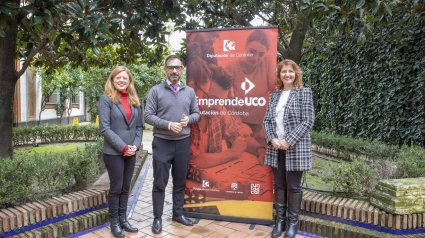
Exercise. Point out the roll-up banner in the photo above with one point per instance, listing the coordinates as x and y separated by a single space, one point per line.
232 72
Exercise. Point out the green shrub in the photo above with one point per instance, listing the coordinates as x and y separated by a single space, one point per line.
55 134
351 147
87 163
411 162
35 176
51 173
354 179
15 181
371 91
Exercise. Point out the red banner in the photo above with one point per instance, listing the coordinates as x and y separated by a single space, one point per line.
233 73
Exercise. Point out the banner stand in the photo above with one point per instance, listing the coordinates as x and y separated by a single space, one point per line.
233 72
228 218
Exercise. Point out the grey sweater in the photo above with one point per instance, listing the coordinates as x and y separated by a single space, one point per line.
163 107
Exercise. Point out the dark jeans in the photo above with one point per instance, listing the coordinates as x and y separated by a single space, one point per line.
120 170
174 154
286 180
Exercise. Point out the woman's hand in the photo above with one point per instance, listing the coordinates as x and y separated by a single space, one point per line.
131 150
284 145
275 143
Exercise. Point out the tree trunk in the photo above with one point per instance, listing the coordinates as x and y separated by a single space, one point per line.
8 79
297 39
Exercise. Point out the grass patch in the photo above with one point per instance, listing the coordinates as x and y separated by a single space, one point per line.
315 177
50 149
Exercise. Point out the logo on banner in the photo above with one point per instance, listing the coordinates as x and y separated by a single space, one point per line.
247 85
228 45
234 186
205 184
255 188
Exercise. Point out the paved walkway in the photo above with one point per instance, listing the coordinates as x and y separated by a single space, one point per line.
142 217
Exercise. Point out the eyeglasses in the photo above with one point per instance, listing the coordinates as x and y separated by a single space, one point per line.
172 68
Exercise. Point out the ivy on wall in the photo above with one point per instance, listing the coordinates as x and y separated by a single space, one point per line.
371 91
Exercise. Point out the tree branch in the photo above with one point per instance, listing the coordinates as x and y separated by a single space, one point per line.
27 62
282 51
27 26
334 37
284 40
263 18
236 17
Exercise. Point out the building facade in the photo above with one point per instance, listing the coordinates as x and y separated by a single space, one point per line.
29 110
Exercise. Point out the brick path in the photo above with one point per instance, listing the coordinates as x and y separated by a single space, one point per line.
142 217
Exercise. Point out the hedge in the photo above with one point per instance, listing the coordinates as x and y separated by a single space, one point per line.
54 134
371 91
36 176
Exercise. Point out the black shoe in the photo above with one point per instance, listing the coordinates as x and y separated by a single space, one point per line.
294 208
116 228
183 220
280 225
157 225
126 226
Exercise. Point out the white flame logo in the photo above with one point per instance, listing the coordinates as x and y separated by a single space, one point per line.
247 85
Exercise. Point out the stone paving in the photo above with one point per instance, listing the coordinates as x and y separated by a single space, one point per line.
142 217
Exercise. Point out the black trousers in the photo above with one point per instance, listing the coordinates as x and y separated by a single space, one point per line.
174 154
120 170
286 180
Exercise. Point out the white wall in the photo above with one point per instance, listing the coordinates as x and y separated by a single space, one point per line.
24 96
47 113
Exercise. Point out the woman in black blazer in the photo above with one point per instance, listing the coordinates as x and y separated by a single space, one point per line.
288 120
120 123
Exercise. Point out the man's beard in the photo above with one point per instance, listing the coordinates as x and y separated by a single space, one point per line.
174 78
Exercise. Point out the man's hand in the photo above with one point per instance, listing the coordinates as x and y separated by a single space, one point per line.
184 120
239 145
245 130
175 127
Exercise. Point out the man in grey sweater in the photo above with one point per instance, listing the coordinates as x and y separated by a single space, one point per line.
171 106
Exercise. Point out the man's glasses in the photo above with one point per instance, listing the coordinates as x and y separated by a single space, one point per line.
172 68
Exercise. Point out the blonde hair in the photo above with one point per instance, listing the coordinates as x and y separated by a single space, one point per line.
114 94
298 82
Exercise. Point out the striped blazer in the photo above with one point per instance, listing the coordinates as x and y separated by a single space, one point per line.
297 122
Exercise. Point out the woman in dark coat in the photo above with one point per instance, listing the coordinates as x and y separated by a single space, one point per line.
120 123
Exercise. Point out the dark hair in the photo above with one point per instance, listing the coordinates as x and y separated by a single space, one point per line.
260 37
171 57
197 70
222 77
